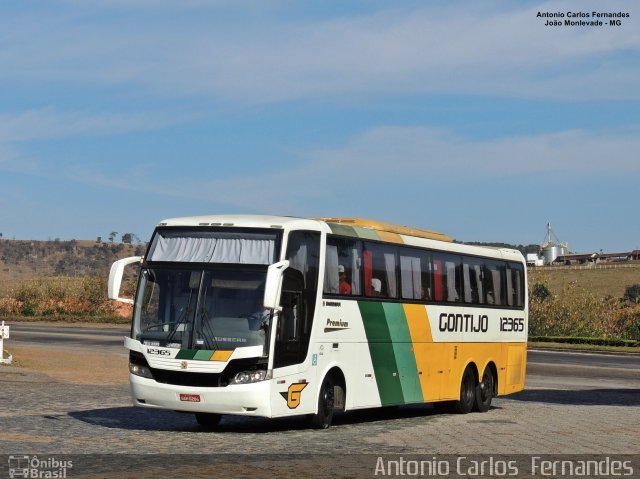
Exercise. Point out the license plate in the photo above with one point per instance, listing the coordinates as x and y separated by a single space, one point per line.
190 397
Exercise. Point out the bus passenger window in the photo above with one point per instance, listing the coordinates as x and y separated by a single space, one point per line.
515 292
343 264
411 277
473 287
447 277
494 279
381 265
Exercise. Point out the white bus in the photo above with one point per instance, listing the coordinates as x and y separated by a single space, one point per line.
277 316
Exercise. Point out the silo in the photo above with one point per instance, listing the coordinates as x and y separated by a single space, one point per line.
552 248
552 251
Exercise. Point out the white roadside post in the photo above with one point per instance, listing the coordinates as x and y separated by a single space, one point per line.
4 334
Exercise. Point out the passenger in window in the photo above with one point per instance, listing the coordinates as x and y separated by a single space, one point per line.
376 287
345 287
490 297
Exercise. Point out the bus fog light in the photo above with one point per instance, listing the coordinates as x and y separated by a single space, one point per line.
138 370
246 377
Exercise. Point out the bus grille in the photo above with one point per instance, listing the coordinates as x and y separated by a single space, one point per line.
181 378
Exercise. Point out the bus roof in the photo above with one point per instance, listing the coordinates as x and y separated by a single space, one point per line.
243 221
356 227
381 226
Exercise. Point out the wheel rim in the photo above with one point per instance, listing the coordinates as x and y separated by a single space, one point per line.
327 399
486 387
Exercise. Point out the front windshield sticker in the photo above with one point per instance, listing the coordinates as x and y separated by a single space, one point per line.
202 355
192 354
213 247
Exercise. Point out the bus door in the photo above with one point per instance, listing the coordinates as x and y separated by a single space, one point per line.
293 391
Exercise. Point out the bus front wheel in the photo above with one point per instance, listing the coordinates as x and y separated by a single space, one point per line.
467 393
323 418
208 421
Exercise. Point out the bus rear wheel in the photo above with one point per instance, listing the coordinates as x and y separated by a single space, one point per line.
208 421
324 417
484 391
467 393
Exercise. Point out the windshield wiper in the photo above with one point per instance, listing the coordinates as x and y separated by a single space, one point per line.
206 328
182 319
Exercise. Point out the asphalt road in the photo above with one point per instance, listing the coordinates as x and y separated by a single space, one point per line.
544 368
109 338
575 403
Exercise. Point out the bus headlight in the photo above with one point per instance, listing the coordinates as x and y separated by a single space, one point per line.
139 370
246 377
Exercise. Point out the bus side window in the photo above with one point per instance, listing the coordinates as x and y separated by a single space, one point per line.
472 278
410 277
343 265
453 280
495 280
448 277
515 291
384 269
427 279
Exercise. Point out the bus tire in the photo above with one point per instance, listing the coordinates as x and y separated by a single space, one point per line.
468 388
208 421
484 391
324 417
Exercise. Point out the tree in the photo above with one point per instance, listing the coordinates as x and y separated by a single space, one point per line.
112 236
127 238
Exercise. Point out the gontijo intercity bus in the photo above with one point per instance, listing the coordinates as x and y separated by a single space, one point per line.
278 316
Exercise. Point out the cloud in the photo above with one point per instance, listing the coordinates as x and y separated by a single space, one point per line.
48 123
489 49
402 163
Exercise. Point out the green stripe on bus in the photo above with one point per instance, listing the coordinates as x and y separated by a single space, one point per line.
186 353
353 231
403 350
203 355
382 353
365 233
342 230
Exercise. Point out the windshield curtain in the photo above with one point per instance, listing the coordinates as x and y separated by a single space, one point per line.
216 309
240 247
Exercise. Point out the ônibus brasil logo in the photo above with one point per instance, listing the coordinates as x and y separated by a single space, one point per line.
35 467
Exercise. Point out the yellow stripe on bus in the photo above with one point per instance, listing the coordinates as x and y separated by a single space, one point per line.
420 331
221 356
390 237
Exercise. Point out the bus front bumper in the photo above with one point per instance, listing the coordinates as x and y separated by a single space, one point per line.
240 399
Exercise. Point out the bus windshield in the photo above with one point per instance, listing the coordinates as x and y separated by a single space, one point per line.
195 308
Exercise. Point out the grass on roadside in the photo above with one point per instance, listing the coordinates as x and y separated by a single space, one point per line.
584 347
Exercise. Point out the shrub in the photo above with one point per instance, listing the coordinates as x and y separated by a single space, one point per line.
94 290
27 292
632 293
540 292
576 312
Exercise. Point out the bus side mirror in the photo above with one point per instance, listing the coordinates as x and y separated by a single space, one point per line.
115 278
273 285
